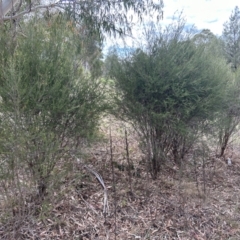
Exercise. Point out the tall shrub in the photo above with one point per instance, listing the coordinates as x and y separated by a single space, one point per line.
170 91
49 102
230 117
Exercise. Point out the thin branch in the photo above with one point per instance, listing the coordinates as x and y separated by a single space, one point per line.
128 161
114 187
32 9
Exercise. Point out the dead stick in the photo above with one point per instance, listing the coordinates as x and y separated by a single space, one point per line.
114 188
128 160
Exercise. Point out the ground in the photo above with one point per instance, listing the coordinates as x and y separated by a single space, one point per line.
194 202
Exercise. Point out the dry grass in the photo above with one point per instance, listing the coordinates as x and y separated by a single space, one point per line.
173 207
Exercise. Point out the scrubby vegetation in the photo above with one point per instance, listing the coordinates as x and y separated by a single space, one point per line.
127 147
172 91
49 105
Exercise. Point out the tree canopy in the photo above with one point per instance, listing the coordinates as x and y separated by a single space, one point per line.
231 38
99 16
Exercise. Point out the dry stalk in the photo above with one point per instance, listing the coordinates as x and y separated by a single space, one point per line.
128 161
196 174
114 187
204 172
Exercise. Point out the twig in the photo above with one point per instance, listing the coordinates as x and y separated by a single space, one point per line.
32 9
114 187
128 160
204 170
89 205
196 173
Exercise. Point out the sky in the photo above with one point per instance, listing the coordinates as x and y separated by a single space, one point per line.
203 14
211 14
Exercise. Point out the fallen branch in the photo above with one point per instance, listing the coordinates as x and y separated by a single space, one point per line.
99 178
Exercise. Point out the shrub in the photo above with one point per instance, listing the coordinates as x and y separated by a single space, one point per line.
49 102
170 90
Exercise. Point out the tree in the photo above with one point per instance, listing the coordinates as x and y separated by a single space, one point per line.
99 16
204 37
231 38
170 90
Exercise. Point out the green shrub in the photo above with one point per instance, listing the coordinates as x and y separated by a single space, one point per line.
49 102
170 91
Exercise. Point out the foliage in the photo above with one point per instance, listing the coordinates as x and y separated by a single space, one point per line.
170 90
231 38
209 41
107 16
49 102
230 116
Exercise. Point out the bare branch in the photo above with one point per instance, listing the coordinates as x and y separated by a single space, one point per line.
32 9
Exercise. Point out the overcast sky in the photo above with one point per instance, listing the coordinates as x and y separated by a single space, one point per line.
209 14
203 14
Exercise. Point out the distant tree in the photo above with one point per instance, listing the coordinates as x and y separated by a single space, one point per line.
204 37
209 42
231 39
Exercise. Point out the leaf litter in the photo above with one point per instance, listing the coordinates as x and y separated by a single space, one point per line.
174 206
